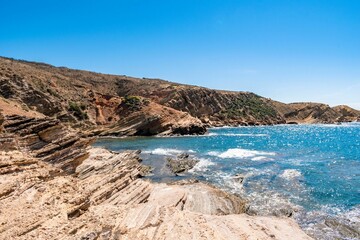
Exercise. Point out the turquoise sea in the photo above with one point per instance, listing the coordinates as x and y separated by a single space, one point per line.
311 172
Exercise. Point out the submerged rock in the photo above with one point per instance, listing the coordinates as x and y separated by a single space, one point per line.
145 170
344 229
239 178
181 164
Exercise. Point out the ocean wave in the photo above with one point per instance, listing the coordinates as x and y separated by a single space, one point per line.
290 174
242 153
202 165
167 151
261 158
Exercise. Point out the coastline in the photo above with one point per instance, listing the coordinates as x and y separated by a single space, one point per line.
72 190
94 206
224 127
227 152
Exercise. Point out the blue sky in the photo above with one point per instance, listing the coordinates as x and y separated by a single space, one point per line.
283 49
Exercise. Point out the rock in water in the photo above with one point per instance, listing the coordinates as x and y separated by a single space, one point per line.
145 170
181 164
239 178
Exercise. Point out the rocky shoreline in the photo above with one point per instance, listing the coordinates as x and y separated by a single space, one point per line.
54 185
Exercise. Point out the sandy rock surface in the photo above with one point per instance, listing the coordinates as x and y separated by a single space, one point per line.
53 185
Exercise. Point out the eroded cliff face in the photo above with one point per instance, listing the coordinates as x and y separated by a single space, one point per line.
212 107
45 139
54 186
347 114
95 102
316 113
86 100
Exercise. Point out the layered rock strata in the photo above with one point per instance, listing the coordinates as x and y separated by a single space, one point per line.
120 105
53 186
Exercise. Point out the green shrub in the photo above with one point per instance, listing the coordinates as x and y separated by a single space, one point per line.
248 105
53 93
133 102
78 110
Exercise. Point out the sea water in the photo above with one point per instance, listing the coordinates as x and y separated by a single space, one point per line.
308 172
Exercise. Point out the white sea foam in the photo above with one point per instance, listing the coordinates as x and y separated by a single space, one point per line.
213 153
270 203
290 174
167 151
202 165
246 134
212 134
345 124
238 134
242 153
353 215
222 127
261 158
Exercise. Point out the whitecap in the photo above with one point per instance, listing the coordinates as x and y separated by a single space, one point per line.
167 151
211 134
290 174
241 153
202 165
213 153
261 158
246 135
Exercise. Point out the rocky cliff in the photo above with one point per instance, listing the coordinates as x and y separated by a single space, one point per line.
86 100
213 107
120 105
54 186
315 112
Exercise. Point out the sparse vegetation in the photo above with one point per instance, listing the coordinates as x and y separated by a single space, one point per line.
146 102
53 93
133 102
78 110
250 105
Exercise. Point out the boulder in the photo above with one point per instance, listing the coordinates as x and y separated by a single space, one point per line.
181 163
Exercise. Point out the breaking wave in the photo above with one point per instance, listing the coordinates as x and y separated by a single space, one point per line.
202 165
243 153
167 151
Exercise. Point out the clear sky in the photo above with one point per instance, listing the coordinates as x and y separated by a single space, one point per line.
288 50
